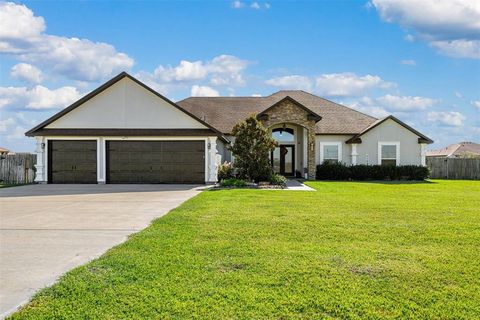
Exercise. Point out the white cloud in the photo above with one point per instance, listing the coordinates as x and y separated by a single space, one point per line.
227 70
458 48
348 84
458 95
255 5
14 127
368 106
6 123
237 4
203 91
383 106
450 26
408 62
17 22
448 118
17 133
256 95
38 97
23 36
476 104
26 72
221 70
185 71
293 82
405 103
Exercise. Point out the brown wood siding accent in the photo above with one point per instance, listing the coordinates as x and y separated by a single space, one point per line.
72 161
155 161
126 132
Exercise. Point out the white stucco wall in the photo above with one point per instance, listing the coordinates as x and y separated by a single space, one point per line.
126 105
346 148
390 131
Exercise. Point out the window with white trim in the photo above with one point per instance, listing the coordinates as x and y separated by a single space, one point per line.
389 153
330 152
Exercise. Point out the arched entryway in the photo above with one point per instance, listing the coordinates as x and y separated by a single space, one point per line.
283 156
289 114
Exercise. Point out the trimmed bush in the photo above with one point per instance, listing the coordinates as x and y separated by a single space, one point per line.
340 171
237 183
333 171
225 171
278 180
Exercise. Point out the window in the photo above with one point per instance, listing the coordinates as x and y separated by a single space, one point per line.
330 152
283 134
389 153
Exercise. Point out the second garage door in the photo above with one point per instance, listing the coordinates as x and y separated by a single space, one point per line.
155 161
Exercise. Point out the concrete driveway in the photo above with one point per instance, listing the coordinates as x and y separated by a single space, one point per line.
46 230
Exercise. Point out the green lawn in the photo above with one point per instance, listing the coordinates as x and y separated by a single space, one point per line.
350 251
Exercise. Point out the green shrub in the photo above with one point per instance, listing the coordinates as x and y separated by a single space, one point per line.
252 147
225 171
340 171
278 180
332 171
237 183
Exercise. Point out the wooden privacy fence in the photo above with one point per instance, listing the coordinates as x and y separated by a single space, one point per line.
454 168
17 168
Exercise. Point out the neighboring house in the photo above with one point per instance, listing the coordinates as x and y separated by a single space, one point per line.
457 150
4 151
125 132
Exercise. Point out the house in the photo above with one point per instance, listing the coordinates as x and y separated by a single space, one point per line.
126 132
457 150
4 151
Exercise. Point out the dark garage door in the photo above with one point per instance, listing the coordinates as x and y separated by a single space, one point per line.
155 161
72 161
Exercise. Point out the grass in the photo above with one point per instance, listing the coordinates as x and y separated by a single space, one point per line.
9 185
351 250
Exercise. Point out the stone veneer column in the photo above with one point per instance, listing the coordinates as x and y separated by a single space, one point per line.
312 168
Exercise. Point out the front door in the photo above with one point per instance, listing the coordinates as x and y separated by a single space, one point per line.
283 159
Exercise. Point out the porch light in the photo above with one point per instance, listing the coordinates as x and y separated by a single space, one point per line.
282 129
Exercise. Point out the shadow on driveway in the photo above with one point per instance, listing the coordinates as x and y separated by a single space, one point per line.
34 190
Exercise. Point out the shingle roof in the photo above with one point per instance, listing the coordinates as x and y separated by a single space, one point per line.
457 150
224 112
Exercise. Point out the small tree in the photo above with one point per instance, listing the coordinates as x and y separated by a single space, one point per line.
251 149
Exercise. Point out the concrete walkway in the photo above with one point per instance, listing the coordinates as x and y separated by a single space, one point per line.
296 185
46 230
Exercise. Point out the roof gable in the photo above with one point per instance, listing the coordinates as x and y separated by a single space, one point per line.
421 138
310 114
123 103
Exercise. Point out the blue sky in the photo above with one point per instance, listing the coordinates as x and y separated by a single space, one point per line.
380 57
